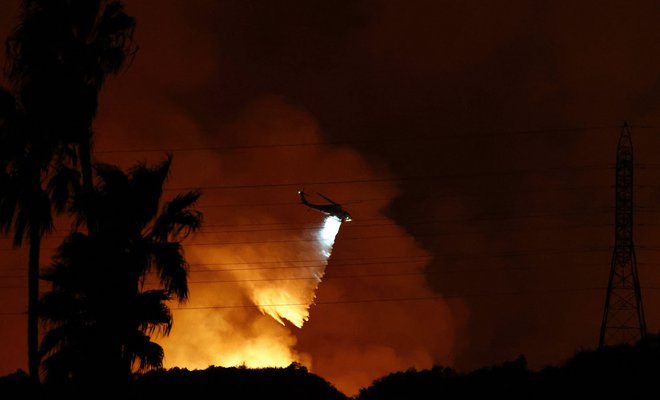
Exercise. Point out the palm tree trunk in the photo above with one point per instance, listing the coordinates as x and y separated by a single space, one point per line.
33 300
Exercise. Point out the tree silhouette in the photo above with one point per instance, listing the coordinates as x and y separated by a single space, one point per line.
57 60
99 314
24 205
59 56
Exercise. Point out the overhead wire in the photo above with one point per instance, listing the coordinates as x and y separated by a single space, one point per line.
378 300
362 275
399 299
472 134
354 181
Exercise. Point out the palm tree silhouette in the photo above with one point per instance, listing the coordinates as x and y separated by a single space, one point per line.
24 204
57 61
99 314
60 56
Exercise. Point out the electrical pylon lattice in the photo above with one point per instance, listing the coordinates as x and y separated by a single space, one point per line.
623 316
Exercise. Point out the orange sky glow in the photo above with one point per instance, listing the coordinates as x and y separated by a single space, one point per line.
473 147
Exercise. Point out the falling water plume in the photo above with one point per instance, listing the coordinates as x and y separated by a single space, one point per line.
291 299
327 235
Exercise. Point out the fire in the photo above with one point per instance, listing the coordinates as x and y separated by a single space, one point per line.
239 334
211 338
280 304
249 287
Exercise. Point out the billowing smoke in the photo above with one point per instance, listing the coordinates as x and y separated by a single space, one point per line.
254 276
231 333
250 148
264 289
240 80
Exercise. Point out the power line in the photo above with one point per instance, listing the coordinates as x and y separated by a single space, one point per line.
371 275
338 261
461 137
399 299
300 278
357 238
550 170
375 300
327 276
331 277
385 300
13 313
486 230
334 266
353 265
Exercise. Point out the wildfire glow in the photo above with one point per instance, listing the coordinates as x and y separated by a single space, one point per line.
233 271
210 338
240 336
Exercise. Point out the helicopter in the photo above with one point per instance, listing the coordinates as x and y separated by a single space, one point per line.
333 209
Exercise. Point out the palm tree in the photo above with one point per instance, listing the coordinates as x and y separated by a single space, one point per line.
94 328
100 316
60 56
57 61
24 205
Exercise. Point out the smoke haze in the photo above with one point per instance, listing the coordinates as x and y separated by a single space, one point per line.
473 145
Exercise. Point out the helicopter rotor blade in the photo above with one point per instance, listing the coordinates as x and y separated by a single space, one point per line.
331 201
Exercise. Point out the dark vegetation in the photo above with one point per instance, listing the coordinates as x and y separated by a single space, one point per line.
292 382
58 58
622 372
100 316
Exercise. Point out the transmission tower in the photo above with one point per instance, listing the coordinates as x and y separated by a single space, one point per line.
623 317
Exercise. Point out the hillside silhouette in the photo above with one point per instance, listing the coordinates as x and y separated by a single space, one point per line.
292 382
623 372
628 372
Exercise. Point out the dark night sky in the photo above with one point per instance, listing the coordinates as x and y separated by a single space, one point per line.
473 143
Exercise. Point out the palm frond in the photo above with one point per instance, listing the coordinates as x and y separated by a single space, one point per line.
8 202
171 267
55 338
111 176
149 354
154 314
76 250
147 189
64 186
7 104
113 43
178 219
59 305
33 213
96 278
57 367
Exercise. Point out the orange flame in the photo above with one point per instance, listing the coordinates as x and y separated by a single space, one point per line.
261 342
